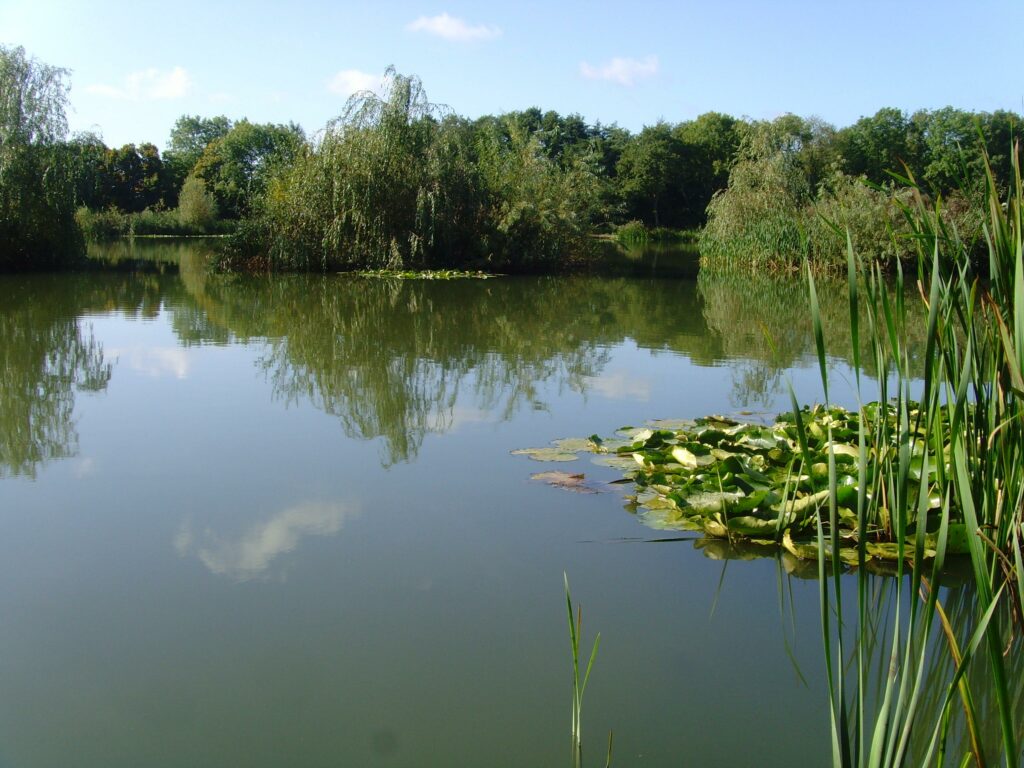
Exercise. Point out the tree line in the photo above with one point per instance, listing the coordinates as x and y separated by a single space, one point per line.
396 180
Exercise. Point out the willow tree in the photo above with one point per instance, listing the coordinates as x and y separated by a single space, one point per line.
371 192
396 181
37 225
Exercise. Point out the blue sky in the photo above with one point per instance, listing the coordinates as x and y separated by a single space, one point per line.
137 66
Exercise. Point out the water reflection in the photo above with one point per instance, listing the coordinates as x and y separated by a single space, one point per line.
47 354
398 360
156 362
764 325
393 359
253 551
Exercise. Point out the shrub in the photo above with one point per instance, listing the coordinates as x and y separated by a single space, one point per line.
196 207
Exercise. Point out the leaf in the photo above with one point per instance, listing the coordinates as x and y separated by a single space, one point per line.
545 454
616 461
707 502
684 457
675 425
570 481
575 444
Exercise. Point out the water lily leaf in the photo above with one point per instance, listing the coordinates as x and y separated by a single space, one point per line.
616 461
674 425
665 520
719 422
684 457
570 481
659 502
575 444
708 502
842 449
545 454
643 435
747 525
761 443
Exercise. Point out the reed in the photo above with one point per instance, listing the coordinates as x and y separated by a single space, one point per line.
579 684
918 475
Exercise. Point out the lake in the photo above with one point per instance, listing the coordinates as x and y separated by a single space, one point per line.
265 521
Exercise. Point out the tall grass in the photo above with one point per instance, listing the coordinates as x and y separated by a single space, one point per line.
929 483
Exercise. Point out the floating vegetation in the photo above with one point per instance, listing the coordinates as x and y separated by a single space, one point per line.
754 482
566 449
425 274
570 481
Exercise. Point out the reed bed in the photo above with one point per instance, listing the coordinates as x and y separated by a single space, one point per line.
956 454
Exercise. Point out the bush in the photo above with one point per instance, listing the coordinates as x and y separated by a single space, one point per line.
196 207
757 221
102 225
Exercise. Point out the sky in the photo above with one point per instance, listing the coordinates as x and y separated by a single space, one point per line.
138 66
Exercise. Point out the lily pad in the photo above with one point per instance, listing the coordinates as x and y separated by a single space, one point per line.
546 454
616 461
576 444
671 424
570 481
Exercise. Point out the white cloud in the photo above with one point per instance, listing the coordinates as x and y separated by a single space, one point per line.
453 28
349 81
147 85
155 361
621 386
84 467
622 70
252 553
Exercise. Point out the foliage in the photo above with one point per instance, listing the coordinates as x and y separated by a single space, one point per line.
98 226
396 182
871 216
646 170
536 213
971 427
636 232
236 166
758 221
197 208
736 480
189 138
37 203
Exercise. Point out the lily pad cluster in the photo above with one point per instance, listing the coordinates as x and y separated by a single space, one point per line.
746 481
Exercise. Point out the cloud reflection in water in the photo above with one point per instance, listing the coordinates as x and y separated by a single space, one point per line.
251 554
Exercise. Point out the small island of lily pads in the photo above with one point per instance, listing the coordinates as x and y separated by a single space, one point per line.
767 484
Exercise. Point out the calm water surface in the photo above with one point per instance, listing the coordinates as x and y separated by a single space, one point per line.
275 521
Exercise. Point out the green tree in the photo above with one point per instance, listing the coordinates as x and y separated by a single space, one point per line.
84 156
946 133
37 191
237 165
709 144
647 171
133 179
189 138
877 145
